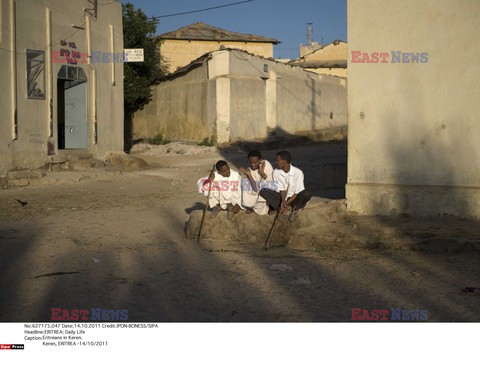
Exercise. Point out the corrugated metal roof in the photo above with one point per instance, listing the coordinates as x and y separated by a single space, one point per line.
203 31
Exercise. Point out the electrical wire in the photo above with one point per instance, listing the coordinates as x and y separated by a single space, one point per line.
202 10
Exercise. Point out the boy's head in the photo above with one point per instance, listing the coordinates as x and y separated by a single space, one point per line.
283 158
254 158
222 168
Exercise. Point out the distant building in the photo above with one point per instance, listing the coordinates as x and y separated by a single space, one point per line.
58 69
233 95
309 48
330 59
180 47
413 129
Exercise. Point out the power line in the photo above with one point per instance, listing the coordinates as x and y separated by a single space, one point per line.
203 10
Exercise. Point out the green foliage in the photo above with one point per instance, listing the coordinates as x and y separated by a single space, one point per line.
208 142
157 140
139 32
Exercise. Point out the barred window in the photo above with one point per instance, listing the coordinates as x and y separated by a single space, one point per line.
35 74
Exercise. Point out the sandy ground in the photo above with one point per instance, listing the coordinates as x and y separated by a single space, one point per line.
116 240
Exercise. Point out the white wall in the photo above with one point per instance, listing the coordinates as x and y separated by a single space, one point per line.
238 96
414 125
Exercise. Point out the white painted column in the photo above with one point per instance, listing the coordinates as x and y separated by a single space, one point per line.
112 51
49 70
92 83
223 109
218 70
13 69
271 101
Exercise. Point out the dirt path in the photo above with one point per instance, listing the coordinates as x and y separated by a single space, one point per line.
116 241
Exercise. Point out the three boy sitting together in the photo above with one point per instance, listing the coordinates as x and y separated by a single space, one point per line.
263 191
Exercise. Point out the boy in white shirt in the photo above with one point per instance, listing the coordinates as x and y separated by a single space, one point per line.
259 175
291 188
225 191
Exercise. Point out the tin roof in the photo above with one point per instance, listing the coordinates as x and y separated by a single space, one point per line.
203 31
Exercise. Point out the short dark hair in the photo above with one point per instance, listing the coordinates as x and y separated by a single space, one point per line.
220 164
285 155
254 153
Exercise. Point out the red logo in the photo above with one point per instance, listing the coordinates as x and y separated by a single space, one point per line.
11 346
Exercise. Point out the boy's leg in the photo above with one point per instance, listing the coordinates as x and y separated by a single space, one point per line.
232 210
299 203
214 202
273 198
302 200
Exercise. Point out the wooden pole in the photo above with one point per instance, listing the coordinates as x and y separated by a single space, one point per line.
205 209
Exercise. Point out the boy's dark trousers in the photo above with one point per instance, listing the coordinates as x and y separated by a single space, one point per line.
274 199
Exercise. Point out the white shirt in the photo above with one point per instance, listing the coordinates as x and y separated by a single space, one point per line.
293 180
257 178
226 188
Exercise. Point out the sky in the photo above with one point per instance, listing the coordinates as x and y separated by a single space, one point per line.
284 20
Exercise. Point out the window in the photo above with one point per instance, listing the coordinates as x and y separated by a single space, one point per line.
35 74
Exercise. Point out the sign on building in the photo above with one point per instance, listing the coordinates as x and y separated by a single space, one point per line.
133 55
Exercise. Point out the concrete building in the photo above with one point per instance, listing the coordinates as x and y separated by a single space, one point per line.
413 96
180 47
233 95
330 59
309 48
57 70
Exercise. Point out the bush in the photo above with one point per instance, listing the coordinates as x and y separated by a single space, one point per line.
157 140
208 142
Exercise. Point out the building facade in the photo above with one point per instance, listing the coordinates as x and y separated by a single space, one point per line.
233 95
180 47
413 121
330 59
61 62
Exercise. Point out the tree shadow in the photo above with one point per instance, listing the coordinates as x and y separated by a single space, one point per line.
161 277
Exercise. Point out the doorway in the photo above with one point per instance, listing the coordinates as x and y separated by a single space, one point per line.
72 108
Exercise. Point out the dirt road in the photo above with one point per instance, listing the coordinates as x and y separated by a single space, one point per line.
115 240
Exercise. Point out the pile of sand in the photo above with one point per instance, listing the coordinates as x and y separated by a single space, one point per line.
173 148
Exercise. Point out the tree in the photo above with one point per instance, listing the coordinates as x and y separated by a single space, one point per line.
138 33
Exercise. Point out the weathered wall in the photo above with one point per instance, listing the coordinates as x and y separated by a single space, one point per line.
32 20
309 102
248 112
181 108
300 101
247 96
179 53
239 96
413 127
